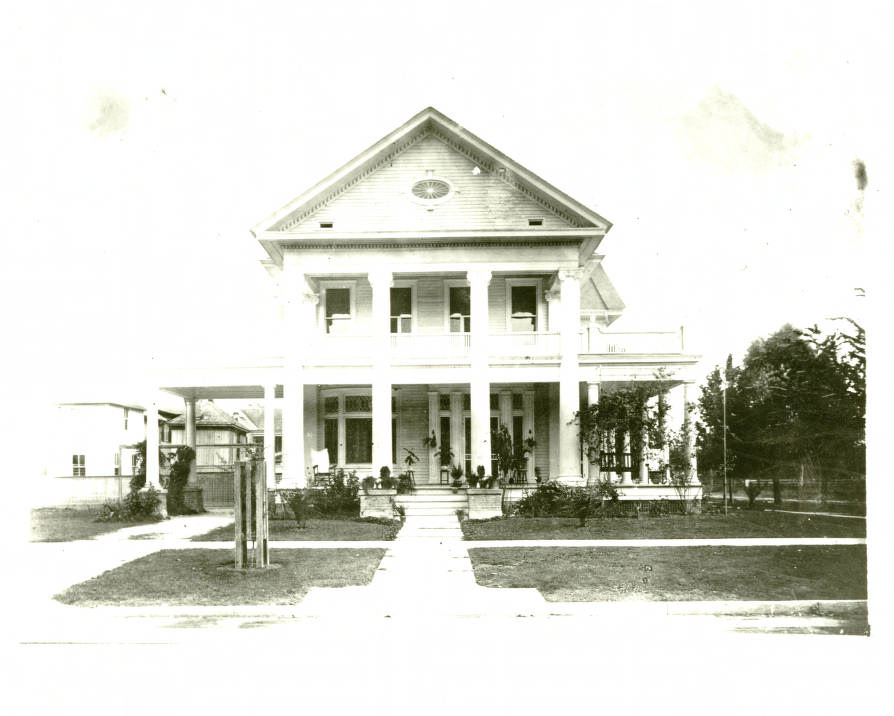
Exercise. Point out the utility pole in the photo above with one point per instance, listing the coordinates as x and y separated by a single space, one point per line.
725 508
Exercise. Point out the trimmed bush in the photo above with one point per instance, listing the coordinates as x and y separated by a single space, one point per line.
138 506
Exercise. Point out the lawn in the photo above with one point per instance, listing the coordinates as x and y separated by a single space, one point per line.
346 529
583 574
204 577
738 523
64 524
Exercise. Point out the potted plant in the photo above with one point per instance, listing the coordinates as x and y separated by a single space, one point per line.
386 482
410 459
456 472
368 483
431 441
445 456
473 480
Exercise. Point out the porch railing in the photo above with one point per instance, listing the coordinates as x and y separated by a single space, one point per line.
425 345
594 340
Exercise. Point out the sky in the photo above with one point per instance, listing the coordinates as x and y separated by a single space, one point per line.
719 139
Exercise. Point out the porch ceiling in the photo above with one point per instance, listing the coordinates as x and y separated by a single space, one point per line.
253 392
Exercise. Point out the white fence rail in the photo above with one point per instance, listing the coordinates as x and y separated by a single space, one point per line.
594 340
524 345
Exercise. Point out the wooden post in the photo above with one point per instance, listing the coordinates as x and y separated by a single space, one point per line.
241 556
260 536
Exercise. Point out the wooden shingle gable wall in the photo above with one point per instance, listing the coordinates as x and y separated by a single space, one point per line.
383 201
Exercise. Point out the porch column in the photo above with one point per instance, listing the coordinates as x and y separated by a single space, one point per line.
381 281
299 312
479 386
294 472
553 309
626 475
506 410
594 468
643 454
434 427
528 428
456 428
153 474
553 393
381 417
569 392
270 434
190 435
689 439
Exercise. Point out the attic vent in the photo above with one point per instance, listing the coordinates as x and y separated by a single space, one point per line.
325 224
535 222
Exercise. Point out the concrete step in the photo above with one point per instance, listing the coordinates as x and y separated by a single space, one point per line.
433 511
434 497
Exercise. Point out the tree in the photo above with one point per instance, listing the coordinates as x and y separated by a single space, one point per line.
798 399
179 476
138 481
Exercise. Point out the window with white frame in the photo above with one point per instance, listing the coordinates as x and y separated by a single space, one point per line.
117 463
78 466
402 309
523 307
338 310
126 416
347 426
459 309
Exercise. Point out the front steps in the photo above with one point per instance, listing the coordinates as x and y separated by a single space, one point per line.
433 501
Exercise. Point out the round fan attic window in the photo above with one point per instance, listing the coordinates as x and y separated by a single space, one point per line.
431 190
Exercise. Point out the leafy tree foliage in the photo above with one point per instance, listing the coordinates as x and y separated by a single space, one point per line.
798 399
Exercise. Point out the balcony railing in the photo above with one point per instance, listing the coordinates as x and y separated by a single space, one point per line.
426 345
594 340
541 344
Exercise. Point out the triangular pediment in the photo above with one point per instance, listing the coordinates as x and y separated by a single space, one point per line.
487 190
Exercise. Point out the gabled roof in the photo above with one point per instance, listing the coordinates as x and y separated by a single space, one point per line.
426 123
256 414
208 415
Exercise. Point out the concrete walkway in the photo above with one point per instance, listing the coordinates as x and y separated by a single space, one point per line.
426 571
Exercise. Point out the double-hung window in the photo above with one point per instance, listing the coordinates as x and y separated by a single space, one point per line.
78 466
338 310
524 309
460 315
401 309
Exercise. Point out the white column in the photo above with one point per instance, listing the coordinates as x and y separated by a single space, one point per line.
479 385
643 453
569 392
690 443
381 281
626 475
270 433
190 434
152 467
594 473
553 310
553 393
434 428
506 410
528 428
456 428
299 312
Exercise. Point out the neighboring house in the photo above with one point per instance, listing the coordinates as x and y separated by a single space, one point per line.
434 286
217 432
255 413
94 441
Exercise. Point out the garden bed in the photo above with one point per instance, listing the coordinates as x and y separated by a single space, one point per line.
201 577
66 524
738 523
337 529
582 574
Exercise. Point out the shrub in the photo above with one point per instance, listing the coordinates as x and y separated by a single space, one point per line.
369 483
340 496
550 499
299 502
139 505
177 481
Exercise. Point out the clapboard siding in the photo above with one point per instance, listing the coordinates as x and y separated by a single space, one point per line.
382 201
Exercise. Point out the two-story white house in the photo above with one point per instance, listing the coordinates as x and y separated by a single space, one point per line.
432 286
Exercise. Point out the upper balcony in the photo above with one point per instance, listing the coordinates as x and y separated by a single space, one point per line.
324 349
